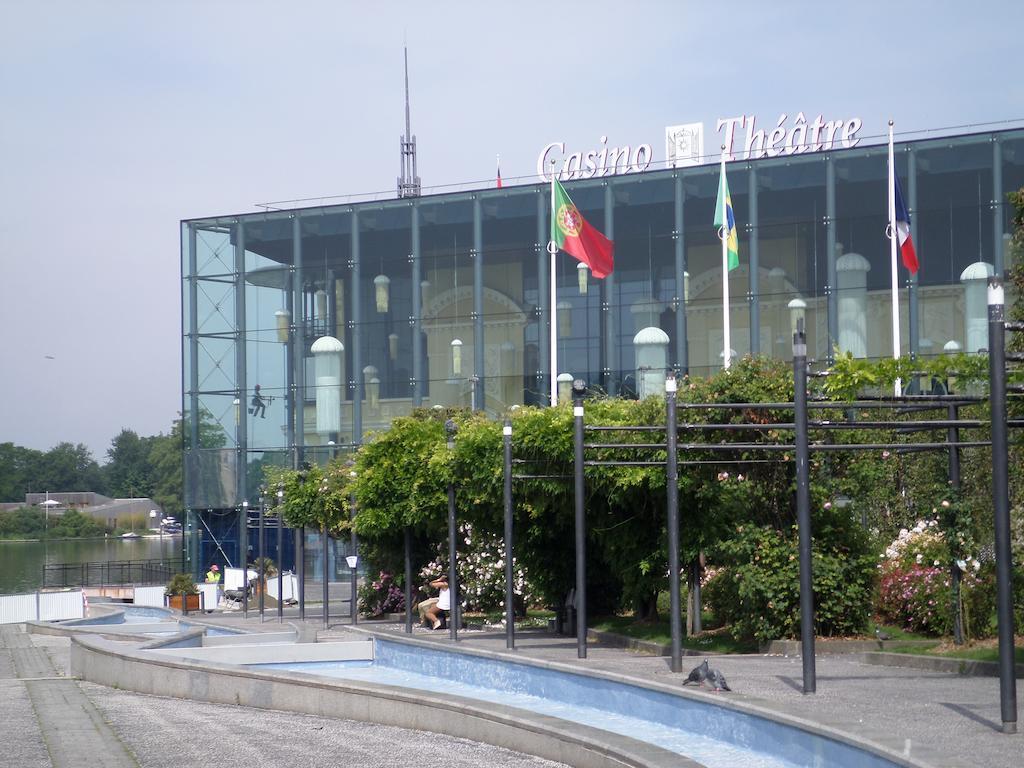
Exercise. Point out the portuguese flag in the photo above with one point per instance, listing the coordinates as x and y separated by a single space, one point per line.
571 232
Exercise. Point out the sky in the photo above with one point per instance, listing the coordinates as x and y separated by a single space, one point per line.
120 119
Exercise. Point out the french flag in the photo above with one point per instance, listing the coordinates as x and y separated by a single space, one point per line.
903 231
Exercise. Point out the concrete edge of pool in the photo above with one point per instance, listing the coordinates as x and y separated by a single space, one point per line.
613 749
114 664
730 702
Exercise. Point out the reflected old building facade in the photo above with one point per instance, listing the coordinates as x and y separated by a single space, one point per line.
442 299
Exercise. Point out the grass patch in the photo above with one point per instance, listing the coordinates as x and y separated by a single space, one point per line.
896 633
983 651
714 641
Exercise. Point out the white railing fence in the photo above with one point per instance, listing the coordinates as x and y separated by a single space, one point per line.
42 606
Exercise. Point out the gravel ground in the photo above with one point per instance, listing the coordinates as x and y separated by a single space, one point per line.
171 733
178 733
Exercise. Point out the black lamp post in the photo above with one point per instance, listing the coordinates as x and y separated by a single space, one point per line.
450 428
262 540
353 560
326 574
672 501
300 551
280 570
579 389
506 432
243 555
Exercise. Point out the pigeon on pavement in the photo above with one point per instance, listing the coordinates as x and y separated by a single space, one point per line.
717 680
883 636
698 674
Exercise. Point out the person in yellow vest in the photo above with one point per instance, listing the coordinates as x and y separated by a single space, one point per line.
213 575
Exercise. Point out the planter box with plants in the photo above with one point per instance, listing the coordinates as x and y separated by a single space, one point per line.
181 589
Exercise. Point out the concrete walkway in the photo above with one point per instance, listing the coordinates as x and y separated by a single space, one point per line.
69 725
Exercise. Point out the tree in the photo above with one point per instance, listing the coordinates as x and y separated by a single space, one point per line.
129 472
165 462
68 467
18 469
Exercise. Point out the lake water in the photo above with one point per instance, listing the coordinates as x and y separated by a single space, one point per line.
21 562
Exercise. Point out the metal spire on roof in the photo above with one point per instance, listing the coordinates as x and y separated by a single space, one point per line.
408 182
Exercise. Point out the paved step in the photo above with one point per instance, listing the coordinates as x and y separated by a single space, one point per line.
74 732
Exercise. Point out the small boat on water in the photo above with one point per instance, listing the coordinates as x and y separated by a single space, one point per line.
130 535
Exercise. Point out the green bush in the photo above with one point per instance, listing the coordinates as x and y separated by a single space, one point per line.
181 583
757 592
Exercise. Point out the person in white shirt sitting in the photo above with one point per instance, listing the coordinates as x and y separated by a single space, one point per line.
436 613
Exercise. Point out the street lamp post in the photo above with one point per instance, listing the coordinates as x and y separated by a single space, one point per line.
262 561
280 569
324 543
243 555
579 389
450 428
353 561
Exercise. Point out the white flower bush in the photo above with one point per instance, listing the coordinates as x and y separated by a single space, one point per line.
481 570
922 541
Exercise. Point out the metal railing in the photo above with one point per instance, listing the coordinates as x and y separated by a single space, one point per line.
107 573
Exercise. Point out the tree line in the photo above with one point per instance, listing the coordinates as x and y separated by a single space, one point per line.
136 467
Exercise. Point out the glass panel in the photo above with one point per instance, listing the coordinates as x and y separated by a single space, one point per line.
953 231
268 255
579 319
790 232
953 214
326 252
645 283
510 265
210 478
862 256
1013 174
446 239
704 263
386 297
215 253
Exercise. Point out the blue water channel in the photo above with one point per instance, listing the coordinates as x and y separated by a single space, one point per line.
141 614
715 736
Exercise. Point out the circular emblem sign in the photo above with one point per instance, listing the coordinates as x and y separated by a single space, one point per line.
569 220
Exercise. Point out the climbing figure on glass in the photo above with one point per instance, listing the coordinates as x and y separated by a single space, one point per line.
259 403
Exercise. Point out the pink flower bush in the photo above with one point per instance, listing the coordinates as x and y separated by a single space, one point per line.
916 586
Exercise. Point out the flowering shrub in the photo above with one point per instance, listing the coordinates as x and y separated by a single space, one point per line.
924 544
381 596
919 598
916 584
482 572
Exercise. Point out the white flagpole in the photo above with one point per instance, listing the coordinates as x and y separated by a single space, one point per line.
893 239
723 235
552 311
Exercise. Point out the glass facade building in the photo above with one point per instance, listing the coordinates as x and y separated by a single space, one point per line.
347 316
